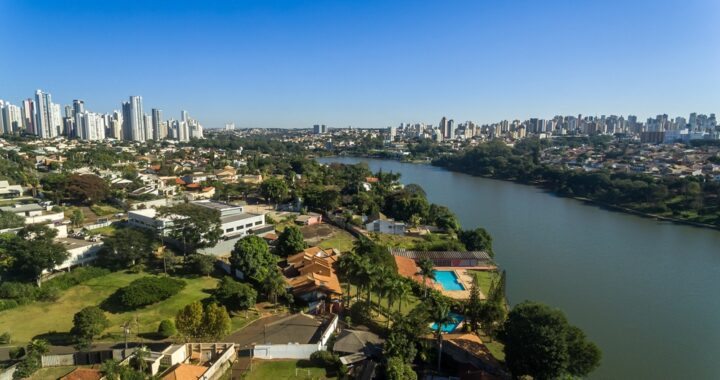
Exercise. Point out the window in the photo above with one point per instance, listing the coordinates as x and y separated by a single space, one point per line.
259 222
248 225
230 230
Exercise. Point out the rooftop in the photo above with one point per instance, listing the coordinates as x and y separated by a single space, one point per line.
23 208
439 255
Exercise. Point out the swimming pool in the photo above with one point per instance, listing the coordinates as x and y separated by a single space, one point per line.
450 327
448 280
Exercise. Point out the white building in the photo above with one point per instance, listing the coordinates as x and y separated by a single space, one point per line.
80 252
8 191
234 222
34 213
386 227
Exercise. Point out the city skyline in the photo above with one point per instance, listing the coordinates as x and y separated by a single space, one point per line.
368 65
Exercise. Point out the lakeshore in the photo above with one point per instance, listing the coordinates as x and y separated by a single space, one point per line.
626 280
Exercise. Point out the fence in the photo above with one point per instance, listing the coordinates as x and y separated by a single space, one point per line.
220 364
295 351
80 358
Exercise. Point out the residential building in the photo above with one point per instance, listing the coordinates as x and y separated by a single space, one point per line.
8 191
311 274
386 226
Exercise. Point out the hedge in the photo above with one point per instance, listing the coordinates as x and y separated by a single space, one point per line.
148 290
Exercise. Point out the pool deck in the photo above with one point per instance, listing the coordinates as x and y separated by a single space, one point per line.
465 278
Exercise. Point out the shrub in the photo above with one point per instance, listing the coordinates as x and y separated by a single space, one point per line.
148 290
48 293
166 329
76 277
18 291
8 304
324 359
16 353
5 338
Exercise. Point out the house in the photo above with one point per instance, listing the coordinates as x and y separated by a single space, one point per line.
408 268
357 341
309 219
311 274
447 258
386 226
8 191
34 213
80 252
234 222
470 350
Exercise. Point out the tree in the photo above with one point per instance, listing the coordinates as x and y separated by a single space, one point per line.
290 241
443 218
477 240
201 264
397 369
427 270
274 190
127 247
32 360
235 295
193 226
216 321
189 320
10 220
86 188
540 343
166 329
274 286
473 307
252 257
441 317
87 323
32 251
77 218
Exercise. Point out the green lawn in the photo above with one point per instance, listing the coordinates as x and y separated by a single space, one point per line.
27 321
496 348
284 369
484 279
395 241
104 210
341 240
105 231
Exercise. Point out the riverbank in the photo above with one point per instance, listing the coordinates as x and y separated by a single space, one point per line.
610 206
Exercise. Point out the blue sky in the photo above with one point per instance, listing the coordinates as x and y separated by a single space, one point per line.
366 63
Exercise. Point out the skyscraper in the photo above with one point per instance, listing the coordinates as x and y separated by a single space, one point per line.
133 121
28 115
44 115
157 126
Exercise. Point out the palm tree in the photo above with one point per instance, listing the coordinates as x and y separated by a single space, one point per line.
38 346
441 316
427 270
347 267
273 286
403 293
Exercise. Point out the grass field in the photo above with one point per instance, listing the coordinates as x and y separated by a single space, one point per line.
44 317
104 210
284 369
496 348
395 241
341 240
484 280
104 231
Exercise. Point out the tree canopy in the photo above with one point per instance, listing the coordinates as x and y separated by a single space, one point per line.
539 342
290 241
252 257
193 226
26 255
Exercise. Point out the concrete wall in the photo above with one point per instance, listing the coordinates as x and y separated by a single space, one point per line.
285 351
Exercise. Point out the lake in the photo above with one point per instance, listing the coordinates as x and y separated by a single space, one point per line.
644 291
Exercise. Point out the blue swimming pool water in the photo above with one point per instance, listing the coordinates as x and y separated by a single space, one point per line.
448 280
450 327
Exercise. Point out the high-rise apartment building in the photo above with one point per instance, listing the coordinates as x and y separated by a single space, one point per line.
44 115
157 125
